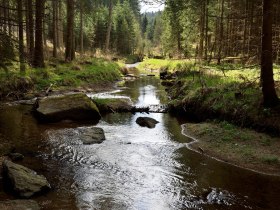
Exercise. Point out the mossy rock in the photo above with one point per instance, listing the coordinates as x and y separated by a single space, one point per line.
25 182
75 107
108 105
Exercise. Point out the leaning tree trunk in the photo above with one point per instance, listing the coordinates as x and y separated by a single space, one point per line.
38 58
270 98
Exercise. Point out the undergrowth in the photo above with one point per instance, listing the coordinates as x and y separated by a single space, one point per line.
61 75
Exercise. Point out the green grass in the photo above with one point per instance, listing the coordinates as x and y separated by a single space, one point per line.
233 91
242 146
63 75
270 159
156 64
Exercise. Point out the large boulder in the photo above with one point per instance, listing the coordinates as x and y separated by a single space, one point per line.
92 135
147 122
25 182
19 204
71 107
108 105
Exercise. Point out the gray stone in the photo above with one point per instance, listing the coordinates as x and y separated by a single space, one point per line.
25 182
72 107
147 122
92 135
19 204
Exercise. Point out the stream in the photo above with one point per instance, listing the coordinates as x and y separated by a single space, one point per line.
136 168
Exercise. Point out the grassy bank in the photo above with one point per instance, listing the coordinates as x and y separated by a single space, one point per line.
242 147
228 92
90 73
233 95
156 64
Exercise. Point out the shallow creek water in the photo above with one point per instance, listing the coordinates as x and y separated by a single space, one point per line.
135 168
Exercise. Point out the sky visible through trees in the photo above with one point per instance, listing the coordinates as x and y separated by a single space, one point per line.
151 8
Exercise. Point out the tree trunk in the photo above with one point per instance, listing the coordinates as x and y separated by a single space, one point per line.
206 31
202 28
69 55
20 36
27 28
5 15
38 60
60 26
270 98
54 29
30 30
81 28
221 35
108 35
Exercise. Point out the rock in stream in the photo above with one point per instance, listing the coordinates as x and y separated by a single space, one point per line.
92 136
19 204
67 107
25 182
147 122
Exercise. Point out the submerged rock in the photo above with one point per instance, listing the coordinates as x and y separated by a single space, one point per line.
19 204
72 106
92 136
16 156
147 122
25 182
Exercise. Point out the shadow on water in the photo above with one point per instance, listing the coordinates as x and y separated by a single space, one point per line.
135 168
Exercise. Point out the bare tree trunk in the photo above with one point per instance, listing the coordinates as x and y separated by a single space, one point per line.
38 60
54 29
81 28
59 26
27 27
202 28
245 29
5 15
270 98
221 35
108 35
20 37
69 55
206 31
30 30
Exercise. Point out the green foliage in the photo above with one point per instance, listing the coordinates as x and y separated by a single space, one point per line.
271 159
7 52
63 76
126 28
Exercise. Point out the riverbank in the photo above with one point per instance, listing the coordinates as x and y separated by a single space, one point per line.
83 75
238 146
228 92
231 95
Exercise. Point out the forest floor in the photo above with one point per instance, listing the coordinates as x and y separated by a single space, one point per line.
91 74
226 101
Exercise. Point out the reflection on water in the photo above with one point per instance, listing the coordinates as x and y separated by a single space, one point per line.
136 167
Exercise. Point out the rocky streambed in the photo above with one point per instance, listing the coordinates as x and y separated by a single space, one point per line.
118 164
